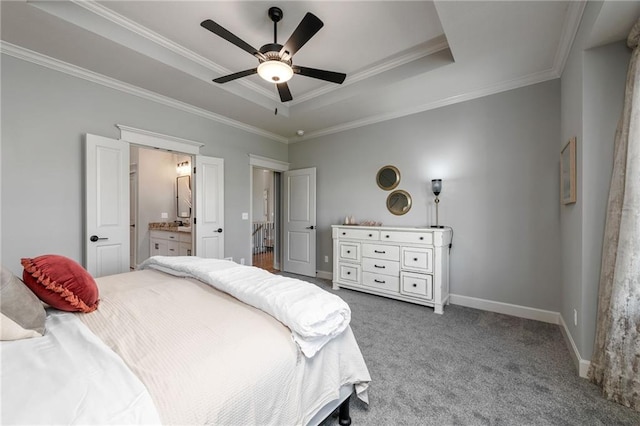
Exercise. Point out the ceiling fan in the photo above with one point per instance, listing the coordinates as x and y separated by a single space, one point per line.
275 60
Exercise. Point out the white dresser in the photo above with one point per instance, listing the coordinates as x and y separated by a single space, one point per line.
410 264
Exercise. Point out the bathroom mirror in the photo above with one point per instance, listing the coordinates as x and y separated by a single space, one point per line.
388 177
399 202
183 199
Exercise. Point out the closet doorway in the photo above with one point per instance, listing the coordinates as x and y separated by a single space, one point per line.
265 219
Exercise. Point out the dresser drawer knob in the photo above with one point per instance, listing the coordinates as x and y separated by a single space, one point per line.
344 233
379 251
380 266
349 273
415 285
415 259
380 281
348 251
371 235
421 238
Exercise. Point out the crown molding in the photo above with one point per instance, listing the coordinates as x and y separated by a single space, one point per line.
429 48
572 20
75 71
101 20
528 80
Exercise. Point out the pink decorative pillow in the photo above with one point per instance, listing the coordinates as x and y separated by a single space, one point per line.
61 283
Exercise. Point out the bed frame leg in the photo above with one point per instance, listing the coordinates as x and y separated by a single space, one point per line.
343 415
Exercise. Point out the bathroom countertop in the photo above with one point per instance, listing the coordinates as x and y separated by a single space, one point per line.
169 227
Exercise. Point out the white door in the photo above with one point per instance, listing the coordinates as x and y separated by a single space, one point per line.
299 219
209 207
133 217
107 205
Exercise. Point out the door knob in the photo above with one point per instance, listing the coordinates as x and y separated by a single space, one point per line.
95 238
310 227
218 230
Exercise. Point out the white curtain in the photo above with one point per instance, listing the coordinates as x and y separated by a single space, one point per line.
615 365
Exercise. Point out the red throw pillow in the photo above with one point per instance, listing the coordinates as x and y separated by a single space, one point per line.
61 283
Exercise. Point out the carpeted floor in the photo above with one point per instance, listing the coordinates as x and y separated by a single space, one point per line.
468 367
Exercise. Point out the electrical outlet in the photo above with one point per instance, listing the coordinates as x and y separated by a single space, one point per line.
326 259
242 260
575 317
164 215
245 216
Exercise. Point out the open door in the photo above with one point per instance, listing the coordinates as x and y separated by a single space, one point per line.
299 222
107 206
209 207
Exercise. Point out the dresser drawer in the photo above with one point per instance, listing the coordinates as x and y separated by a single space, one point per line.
349 273
379 266
419 285
349 251
359 234
378 251
417 259
415 237
384 282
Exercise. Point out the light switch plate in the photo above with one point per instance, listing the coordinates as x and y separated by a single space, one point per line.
245 216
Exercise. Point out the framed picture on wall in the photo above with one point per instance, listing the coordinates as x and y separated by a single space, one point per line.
568 172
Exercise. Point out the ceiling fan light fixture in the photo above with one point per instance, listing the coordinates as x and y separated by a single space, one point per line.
275 71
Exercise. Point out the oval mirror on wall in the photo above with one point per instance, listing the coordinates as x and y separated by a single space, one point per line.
388 177
399 202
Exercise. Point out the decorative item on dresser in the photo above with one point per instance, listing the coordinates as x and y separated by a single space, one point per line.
410 264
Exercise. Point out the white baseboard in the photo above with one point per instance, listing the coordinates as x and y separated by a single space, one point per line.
324 275
582 365
506 308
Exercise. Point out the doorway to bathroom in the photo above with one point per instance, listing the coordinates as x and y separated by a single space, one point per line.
154 178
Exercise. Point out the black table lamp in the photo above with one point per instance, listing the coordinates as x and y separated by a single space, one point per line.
436 187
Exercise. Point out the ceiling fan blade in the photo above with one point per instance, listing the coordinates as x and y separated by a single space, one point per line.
231 38
235 76
306 29
334 77
285 93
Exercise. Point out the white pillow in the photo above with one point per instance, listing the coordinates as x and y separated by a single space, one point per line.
11 330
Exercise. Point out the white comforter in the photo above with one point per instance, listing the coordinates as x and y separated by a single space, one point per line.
69 376
313 315
208 358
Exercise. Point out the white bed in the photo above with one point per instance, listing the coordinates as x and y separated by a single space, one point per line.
162 348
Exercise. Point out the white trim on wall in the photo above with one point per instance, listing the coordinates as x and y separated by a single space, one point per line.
582 365
158 140
506 308
24 54
268 163
325 275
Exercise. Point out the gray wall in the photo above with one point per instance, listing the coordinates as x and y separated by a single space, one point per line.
592 96
498 158
44 117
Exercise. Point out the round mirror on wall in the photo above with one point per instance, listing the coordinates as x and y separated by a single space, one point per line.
399 202
388 177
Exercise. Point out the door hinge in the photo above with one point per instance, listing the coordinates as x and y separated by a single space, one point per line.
194 170
194 220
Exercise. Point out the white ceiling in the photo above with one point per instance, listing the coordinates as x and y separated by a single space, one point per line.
400 57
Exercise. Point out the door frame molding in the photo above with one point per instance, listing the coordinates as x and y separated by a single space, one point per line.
158 140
